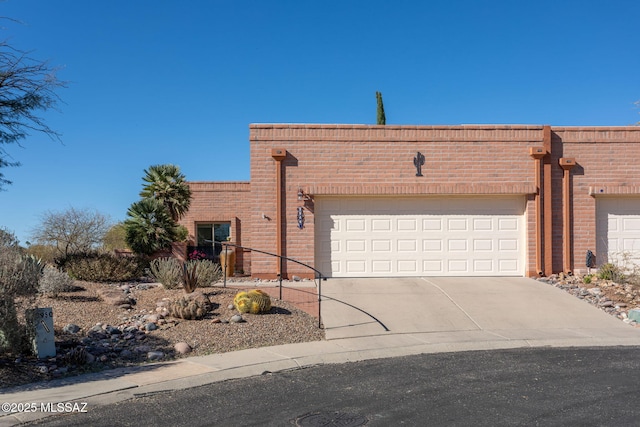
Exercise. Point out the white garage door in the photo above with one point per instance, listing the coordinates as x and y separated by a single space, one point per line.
420 236
618 231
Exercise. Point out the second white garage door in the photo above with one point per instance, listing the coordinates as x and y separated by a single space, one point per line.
618 231
420 236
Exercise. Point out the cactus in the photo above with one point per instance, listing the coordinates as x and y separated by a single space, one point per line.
190 307
254 302
77 356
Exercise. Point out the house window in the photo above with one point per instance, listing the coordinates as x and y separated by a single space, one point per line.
206 234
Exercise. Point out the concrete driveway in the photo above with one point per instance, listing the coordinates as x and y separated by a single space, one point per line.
467 309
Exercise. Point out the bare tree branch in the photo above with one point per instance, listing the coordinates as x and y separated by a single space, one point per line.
27 89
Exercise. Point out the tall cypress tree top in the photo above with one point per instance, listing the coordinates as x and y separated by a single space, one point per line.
381 120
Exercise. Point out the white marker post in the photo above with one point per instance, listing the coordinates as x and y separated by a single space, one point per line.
42 323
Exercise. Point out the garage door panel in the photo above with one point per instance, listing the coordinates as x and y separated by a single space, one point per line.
407 245
432 245
381 266
631 245
458 266
421 236
631 224
618 231
483 265
381 245
480 245
482 224
507 224
508 244
432 224
355 225
356 245
457 224
432 267
381 225
457 245
509 265
407 224
356 266
407 266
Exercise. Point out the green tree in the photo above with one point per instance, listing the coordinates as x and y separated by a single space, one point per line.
381 119
27 88
115 238
167 184
150 228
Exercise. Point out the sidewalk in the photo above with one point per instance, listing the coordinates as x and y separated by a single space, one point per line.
443 315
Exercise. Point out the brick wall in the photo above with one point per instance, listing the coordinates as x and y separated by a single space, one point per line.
356 160
378 160
607 159
222 202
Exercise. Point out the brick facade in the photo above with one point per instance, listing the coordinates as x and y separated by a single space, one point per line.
229 202
360 160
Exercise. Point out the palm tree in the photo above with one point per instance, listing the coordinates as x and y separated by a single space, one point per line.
149 227
166 184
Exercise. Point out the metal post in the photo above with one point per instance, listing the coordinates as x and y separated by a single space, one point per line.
280 276
319 301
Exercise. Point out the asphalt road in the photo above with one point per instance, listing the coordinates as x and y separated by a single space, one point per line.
597 386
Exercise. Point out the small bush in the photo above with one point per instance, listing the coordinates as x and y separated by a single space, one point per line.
102 267
208 272
587 279
167 271
47 254
19 276
612 272
54 281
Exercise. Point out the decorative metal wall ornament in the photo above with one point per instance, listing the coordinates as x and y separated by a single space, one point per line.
300 217
418 162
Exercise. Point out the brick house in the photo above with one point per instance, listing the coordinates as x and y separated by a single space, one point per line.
375 201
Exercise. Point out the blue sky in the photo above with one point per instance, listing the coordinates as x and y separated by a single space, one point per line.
179 82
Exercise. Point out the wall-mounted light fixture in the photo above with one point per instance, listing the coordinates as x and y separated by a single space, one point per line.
302 195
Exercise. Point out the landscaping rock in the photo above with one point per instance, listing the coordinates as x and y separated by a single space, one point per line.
236 319
182 348
634 314
71 328
155 355
114 296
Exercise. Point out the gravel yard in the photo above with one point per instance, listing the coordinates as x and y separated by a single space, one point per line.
111 336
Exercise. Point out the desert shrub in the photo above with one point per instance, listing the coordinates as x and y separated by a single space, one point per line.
45 253
102 267
167 271
19 275
195 273
612 272
54 281
208 272
587 279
